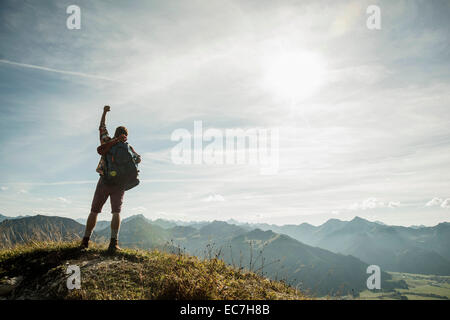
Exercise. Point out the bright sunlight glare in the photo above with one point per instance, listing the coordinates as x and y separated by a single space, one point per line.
293 75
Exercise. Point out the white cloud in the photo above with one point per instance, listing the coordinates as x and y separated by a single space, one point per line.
373 203
369 203
393 204
434 202
3 188
63 200
214 198
445 203
438 202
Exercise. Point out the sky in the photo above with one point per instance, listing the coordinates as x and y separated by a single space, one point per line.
363 114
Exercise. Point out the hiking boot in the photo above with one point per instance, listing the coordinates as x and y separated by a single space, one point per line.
84 243
114 245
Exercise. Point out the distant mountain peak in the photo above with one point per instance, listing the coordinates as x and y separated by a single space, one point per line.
306 224
332 221
136 216
233 221
359 219
261 234
219 225
219 222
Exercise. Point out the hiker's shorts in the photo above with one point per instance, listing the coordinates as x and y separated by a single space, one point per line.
102 192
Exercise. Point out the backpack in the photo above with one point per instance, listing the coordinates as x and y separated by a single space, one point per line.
121 168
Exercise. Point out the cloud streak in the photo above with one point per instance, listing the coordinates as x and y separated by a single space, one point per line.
71 73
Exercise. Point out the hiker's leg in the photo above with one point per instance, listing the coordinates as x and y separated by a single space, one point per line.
116 198
100 197
115 225
90 224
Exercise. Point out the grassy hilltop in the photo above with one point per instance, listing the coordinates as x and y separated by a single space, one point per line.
38 271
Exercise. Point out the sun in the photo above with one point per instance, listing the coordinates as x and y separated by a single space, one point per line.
293 75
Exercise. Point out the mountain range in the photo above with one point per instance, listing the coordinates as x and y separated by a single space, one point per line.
39 228
422 249
3 218
275 255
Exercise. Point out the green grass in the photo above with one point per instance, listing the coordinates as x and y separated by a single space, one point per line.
131 274
420 287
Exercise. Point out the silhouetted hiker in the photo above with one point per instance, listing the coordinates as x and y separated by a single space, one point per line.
118 173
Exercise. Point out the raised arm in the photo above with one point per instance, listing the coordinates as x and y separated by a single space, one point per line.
106 109
104 136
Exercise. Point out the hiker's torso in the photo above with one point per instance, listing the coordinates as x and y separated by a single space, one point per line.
119 164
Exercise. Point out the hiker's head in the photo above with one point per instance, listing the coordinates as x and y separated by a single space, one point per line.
120 131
